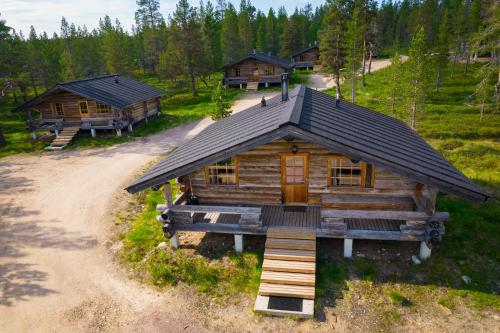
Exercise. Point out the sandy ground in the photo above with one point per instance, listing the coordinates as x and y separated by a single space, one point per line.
56 271
322 82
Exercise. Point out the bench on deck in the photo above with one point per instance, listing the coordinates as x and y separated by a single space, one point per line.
249 217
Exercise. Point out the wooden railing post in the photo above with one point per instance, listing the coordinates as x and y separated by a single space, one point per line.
167 194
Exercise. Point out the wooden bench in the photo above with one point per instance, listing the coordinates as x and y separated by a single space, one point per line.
249 216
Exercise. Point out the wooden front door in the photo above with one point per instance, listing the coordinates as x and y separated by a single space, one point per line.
255 75
294 178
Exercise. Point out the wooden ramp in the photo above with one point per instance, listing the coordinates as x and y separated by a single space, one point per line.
288 272
252 86
64 138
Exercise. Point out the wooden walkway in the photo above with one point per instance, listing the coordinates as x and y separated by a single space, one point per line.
289 268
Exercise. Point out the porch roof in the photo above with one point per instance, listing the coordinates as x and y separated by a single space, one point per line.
264 57
316 117
114 90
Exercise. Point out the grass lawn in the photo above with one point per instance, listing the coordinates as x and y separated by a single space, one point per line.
379 290
178 107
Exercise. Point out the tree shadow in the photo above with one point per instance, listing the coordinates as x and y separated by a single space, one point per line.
18 282
10 182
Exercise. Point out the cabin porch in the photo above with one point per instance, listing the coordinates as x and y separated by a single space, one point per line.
327 223
241 81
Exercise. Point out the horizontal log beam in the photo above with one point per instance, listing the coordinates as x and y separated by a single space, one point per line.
216 209
380 214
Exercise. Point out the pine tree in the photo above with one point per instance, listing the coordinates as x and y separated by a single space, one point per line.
441 57
272 36
230 36
417 74
354 47
331 38
220 105
261 37
396 91
246 31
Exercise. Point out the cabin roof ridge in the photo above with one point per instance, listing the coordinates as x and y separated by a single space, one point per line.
88 79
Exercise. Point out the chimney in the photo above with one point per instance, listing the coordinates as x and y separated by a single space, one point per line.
117 79
263 101
337 100
284 87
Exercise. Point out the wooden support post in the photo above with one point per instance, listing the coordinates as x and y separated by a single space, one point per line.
130 127
241 85
348 248
174 241
118 132
267 84
56 131
425 251
238 243
167 194
92 132
33 135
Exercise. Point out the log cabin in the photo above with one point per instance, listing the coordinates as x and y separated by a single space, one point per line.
255 69
307 58
300 166
111 102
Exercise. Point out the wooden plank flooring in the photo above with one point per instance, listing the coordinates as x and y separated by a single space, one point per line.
289 268
276 216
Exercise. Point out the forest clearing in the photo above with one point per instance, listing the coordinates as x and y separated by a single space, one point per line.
78 252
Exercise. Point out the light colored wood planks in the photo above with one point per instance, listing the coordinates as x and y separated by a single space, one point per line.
291 244
293 255
295 233
268 289
299 279
289 266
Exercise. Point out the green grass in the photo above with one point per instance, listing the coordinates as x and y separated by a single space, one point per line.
217 275
178 107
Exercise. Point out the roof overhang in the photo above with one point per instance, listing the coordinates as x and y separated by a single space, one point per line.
292 130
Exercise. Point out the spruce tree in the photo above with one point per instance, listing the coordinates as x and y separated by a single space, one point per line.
230 37
220 105
441 57
353 45
395 84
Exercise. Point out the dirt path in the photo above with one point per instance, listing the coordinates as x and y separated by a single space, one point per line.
56 271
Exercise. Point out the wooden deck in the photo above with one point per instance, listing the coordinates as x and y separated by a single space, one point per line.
291 216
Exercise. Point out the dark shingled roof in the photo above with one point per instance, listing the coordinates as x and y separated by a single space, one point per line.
115 90
265 57
311 115
305 50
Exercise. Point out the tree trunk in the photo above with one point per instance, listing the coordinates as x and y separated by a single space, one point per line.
353 89
2 137
14 92
364 63
33 84
438 79
414 114
454 63
482 111
337 86
193 80
370 61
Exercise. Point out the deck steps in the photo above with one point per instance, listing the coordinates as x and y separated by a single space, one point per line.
294 255
282 290
289 266
252 86
298 279
63 139
288 270
293 233
291 244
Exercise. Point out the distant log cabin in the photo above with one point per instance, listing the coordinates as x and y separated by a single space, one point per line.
260 68
111 102
300 166
306 58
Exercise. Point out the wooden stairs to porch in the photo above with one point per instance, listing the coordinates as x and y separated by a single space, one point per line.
289 269
65 137
252 86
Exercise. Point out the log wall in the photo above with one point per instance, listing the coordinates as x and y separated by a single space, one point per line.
259 173
311 55
248 66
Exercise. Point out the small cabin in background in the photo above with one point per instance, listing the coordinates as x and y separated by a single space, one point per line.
111 102
255 69
306 58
